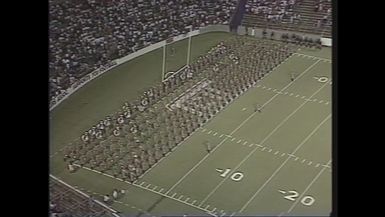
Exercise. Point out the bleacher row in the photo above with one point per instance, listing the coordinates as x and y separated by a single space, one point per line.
87 34
302 17
65 202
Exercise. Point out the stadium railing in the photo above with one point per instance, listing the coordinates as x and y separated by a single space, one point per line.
112 211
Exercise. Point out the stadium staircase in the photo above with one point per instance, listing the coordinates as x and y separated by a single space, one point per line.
308 22
237 17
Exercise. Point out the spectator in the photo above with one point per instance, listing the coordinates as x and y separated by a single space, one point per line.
85 35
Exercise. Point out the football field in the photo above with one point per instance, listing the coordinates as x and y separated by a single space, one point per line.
275 162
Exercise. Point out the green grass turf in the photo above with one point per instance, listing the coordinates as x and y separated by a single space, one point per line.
230 196
107 93
230 153
324 53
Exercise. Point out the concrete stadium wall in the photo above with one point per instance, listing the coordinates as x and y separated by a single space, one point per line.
257 32
214 28
242 30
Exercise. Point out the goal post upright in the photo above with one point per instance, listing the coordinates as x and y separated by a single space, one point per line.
189 46
164 61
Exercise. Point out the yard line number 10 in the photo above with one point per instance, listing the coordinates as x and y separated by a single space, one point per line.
237 176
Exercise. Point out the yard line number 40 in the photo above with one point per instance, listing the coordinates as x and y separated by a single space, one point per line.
237 176
293 195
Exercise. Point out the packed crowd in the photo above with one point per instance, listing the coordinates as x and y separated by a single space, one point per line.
128 143
64 202
274 10
321 6
87 34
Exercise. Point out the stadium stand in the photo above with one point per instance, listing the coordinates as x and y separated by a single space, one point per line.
87 34
308 16
65 202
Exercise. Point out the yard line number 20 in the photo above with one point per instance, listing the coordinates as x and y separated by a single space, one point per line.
293 195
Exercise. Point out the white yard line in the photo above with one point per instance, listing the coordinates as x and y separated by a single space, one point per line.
85 195
172 151
319 58
239 126
264 140
279 168
276 152
156 192
307 188
297 95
